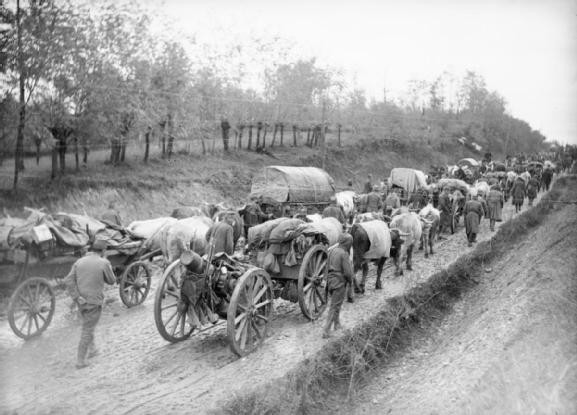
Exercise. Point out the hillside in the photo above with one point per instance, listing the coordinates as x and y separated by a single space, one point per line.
154 189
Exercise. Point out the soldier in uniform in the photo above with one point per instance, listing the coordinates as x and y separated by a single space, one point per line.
85 284
340 274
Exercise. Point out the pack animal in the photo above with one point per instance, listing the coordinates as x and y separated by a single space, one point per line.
408 224
377 247
430 220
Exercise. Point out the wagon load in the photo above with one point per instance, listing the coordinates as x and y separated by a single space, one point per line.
469 163
185 234
260 234
292 186
331 228
454 184
379 237
410 180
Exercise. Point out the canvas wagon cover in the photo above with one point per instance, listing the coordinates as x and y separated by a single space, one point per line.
294 184
409 179
468 162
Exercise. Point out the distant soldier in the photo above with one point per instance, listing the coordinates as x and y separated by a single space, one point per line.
532 189
518 194
546 177
252 215
446 209
111 216
369 184
334 211
221 234
392 202
374 203
85 285
495 202
340 273
473 212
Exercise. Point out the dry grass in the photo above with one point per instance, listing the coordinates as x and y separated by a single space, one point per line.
344 364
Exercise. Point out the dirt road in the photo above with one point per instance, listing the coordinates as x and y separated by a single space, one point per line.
138 372
508 347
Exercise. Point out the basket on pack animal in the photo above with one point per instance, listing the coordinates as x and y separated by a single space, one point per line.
35 252
286 258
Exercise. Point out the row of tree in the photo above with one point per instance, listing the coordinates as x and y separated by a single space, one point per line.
80 75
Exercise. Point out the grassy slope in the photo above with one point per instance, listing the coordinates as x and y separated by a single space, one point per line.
143 191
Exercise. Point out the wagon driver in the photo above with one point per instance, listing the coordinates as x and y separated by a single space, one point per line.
85 284
340 274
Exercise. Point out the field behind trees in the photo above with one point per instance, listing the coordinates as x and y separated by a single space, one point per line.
80 79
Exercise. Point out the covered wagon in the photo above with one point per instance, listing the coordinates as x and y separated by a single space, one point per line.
410 180
285 190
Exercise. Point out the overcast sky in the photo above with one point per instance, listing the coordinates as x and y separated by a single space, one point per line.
526 50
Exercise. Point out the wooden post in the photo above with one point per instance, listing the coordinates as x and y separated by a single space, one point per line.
281 134
294 135
240 130
308 136
339 134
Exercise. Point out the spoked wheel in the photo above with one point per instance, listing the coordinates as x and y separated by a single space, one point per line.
312 283
31 308
249 311
134 284
169 313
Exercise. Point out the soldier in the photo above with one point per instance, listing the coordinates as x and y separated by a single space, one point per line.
221 234
334 211
369 184
340 274
445 208
85 284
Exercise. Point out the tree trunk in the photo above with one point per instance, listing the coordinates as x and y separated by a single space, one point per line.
62 153
170 145
76 154
203 144
146 145
281 134
309 136
240 131
264 136
122 149
294 135
249 136
85 155
339 134
54 161
274 134
22 113
258 129
38 142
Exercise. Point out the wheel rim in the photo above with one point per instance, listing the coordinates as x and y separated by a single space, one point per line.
170 319
250 310
31 308
312 283
135 284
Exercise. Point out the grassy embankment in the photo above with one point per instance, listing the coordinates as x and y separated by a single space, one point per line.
343 365
143 191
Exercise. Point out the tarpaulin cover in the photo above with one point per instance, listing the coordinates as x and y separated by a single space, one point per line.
294 184
468 162
409 179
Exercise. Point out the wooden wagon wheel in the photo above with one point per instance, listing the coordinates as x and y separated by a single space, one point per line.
249 311
134 284
31 308
169 315
312 282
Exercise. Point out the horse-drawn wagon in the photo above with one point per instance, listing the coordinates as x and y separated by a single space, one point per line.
285 190
38 251
286 258
410 180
